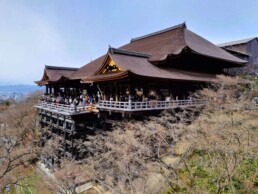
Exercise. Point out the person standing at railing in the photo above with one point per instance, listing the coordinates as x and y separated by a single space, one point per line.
190 98
54 101
42 98
90 100
61 100
66 101
122 98
57 100
74 106
98 97
76 101
80 102
70 100
93 99
153 100
87 100
130 102
83 102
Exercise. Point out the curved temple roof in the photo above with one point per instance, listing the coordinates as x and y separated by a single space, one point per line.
151 56
55 74
173 41
159 46
134 64
236 42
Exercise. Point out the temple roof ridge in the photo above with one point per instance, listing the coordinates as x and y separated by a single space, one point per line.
130 53
61 68
236 42
183 25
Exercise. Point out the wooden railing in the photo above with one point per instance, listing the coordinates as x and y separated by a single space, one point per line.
149 105
123 106
61 107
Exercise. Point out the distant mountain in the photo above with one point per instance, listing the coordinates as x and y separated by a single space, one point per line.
20 88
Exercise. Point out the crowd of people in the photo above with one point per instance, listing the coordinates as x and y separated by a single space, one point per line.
81 100
87 100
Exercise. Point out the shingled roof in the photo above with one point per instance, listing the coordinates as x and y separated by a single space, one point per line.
174 41
235 42
158 46
55 74
135 64
88 69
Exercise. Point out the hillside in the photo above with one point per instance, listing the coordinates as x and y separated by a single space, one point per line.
200 150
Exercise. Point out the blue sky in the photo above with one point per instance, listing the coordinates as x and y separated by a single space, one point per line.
74 32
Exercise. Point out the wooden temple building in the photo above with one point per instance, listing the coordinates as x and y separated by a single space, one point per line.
156 71
246 49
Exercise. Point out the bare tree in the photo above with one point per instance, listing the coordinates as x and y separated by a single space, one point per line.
66 178
124 158
224 132
18 136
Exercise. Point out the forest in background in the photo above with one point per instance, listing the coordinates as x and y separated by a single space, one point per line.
211 149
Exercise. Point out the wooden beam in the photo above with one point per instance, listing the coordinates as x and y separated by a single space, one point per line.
64 143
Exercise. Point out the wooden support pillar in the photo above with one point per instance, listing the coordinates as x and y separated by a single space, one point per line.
72 142
50 89
72 138
130 102
46 89
104 93
51 135
104 126
57 120
116 92
64 143
51 119
130 89
77 91
94 125
144 93
130 97
65 91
